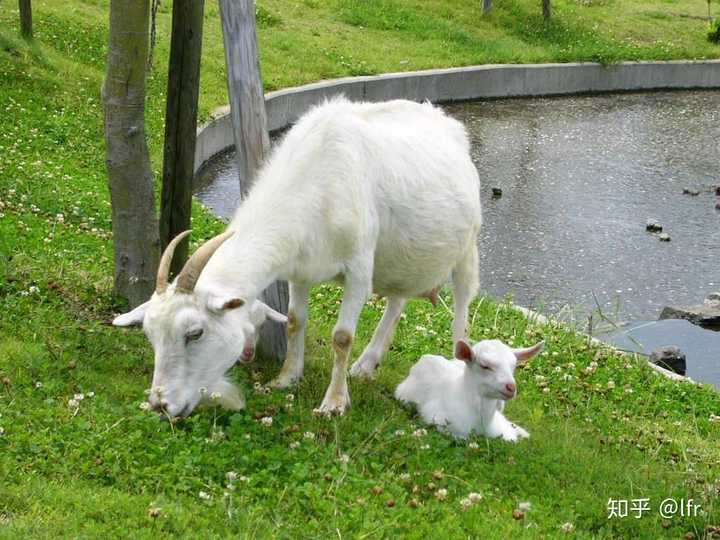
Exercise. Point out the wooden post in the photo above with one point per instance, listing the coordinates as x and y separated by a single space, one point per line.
486 6
25 19
546 10
252 142
181 124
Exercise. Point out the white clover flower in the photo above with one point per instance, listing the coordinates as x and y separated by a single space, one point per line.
473 446
539 377
546 390
425 447
290 397
399 432
558 369
405 477
60 218
266 421
567 377
257 385
38 385
524 506
147 391
2 431
465 503
73 403
714 418
309 435
243 479
34 289
294 445
421 432
441 494
571 365
567 527
91 394
475 497
204 495
144 406
344 458
420 328
231 476
79 397
628 390
215 396
611 385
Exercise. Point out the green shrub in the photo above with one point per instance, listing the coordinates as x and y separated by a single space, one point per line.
714 31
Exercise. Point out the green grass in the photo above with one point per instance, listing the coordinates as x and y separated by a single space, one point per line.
97 471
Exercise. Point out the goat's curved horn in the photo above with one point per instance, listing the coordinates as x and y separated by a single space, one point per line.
161 284
191 271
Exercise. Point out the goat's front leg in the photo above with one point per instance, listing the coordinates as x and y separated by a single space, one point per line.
357 290
370 358
292 369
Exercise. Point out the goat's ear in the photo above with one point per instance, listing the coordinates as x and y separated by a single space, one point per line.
273 315
463 351
218 303
233 303
523 355
132 318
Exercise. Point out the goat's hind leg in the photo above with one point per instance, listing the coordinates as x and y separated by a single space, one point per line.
292 369
465 278
368 362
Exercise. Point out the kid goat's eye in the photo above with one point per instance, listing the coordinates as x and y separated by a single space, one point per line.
485 367
193 335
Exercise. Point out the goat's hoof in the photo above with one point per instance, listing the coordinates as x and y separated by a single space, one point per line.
332 406
362 370
283 381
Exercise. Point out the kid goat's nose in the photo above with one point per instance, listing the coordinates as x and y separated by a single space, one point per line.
510 387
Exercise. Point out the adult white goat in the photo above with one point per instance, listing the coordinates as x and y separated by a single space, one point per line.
382 196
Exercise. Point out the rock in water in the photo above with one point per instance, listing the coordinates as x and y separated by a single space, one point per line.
497 192
690 191
653 226
703 315
664 237
671 358
712 300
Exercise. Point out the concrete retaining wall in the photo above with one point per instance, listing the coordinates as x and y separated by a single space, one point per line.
457 84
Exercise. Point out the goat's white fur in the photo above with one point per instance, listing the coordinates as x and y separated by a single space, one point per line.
382 196
468 394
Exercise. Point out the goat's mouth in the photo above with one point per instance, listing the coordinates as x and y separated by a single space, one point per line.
506 395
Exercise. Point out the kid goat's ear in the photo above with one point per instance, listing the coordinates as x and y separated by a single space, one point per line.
463 351
526 354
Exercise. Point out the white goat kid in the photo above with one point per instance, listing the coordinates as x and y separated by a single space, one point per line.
383 197
468 394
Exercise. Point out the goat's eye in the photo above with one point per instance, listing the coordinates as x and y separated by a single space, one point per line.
488 368
193 335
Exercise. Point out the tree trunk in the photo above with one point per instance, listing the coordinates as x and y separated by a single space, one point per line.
486 6
181 124
26 29
247 109
134 223
546 10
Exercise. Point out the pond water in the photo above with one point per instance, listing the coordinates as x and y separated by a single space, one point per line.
580 178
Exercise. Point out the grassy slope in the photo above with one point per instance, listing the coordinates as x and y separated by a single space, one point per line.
96 472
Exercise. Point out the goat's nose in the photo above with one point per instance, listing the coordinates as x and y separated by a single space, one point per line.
160 405
510 387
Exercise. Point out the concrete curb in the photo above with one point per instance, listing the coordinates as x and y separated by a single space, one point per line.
474 82
534 316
